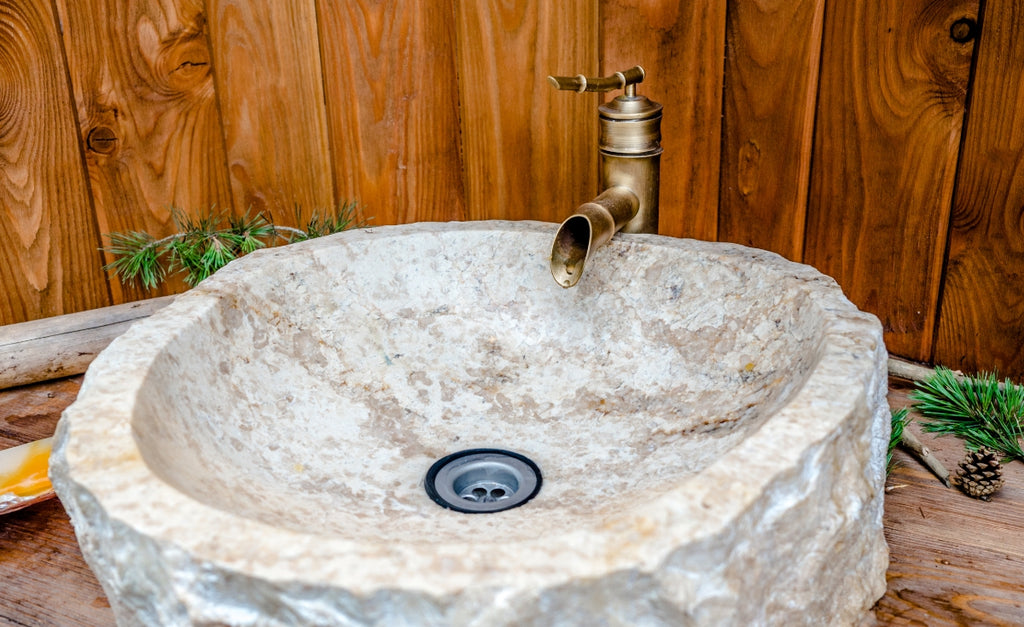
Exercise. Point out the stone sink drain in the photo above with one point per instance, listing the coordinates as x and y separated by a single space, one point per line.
482 481
710 420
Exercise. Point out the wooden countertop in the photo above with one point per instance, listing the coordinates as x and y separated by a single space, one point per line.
953 560
45 581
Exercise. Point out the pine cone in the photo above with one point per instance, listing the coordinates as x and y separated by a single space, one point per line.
980 474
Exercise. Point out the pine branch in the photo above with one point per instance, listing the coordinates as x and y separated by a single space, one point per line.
206 243
979 409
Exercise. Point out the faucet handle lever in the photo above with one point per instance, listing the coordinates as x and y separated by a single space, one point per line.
620 80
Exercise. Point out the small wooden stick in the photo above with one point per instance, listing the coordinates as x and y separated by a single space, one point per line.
910 442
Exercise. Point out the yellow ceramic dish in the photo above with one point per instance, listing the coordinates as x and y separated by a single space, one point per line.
24 477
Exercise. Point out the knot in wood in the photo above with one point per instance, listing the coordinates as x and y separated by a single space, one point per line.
963 30
102 139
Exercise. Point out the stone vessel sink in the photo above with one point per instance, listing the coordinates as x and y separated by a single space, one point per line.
710 422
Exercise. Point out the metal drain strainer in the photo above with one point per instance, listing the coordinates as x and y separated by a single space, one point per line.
482 481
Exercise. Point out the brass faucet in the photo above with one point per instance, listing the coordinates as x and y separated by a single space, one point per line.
630 147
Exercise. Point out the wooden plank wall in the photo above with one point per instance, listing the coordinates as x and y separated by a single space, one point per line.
771 87
48 258
879 141
680 45
890 112
982 309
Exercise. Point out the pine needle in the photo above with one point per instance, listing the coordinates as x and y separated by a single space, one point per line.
136 258
344 217
206 243
983 411
899 423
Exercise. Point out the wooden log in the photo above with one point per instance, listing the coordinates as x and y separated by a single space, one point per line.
62 346
49 264
909 371
65 345
902 369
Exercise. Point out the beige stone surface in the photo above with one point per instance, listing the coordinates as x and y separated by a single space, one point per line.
710 421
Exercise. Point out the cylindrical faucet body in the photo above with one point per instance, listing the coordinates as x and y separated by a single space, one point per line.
641 176
630 150
630 147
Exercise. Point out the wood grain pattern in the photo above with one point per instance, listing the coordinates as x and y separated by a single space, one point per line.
981 326
54 586
48 259
773 50
680 45
271 94
529 151
392 101
45 580
953 560
890 112
147 113
440 111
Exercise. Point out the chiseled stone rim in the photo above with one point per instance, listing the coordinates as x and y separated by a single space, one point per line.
97 455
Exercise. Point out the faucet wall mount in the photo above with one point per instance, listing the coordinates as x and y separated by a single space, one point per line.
629 145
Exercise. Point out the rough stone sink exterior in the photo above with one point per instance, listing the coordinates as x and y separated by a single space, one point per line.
710 421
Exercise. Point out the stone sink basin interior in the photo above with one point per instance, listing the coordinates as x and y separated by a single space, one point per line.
276 387
709 421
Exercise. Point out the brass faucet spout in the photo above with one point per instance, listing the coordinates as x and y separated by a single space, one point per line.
591 227
629 143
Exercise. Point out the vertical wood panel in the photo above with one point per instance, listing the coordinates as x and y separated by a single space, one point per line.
271 94
771 86
981 326
681 44
147 113
530 152
890 111
392 95
48 239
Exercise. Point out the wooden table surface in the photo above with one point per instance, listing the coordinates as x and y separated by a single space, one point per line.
953 560
43 580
